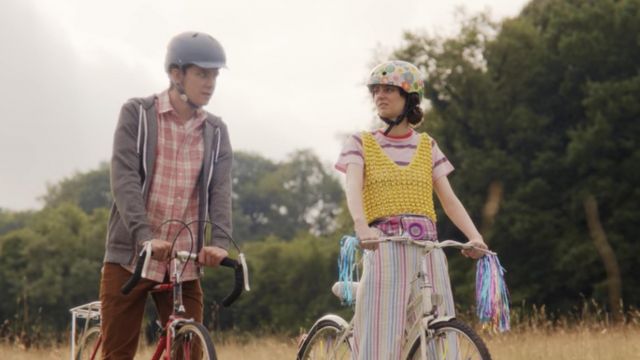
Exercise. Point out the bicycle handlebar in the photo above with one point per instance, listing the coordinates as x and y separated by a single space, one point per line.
239 267
239 281
137 273
429 245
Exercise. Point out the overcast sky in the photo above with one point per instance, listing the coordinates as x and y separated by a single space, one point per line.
295 77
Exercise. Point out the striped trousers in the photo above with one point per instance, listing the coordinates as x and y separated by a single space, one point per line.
386 289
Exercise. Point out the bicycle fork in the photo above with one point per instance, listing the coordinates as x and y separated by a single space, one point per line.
430 302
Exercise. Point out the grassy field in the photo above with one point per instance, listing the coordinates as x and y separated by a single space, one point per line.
584 343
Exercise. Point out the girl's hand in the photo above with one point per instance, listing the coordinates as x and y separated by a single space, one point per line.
474 253
365 233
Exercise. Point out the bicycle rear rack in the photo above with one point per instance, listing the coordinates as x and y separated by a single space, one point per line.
89 312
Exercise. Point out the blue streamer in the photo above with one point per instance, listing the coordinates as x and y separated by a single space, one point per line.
492 295
347 268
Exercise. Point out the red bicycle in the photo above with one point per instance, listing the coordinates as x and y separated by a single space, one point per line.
182 338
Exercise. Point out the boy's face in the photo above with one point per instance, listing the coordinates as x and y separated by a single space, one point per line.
198 83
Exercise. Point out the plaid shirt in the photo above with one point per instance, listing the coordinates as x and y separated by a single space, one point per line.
173 193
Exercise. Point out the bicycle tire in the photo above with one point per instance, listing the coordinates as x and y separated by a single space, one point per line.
319 343
87 345
190 339
468 343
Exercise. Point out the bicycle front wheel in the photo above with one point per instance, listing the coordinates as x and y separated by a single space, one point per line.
325 341
89 345
452 340
192 341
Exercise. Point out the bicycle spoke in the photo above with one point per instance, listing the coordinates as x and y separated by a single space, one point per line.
89 345
453 340
326 343
192 341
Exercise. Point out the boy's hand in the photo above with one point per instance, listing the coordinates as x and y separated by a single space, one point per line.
212 256
160 249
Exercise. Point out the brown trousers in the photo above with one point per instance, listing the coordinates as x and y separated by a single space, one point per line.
122 314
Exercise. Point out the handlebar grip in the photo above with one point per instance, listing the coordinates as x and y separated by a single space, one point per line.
229 262
239 281
135 278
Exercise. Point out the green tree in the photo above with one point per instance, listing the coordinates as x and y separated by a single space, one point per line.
50 259
89 190
613 112
545 105
10 220
290 285
282 199
49 265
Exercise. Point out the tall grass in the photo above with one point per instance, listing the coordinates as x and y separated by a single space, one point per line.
586 334
577 344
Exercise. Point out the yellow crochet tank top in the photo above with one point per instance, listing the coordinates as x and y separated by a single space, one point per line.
391 189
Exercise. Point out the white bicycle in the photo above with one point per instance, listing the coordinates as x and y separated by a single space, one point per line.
431 336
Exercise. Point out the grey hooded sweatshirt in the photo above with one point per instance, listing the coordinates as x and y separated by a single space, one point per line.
132 164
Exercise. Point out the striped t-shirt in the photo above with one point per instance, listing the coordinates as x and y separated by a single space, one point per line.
399 149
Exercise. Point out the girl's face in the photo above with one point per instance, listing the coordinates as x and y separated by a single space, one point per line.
388 101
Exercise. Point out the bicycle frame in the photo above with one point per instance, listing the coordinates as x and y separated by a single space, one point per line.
426 300
177 316
91 311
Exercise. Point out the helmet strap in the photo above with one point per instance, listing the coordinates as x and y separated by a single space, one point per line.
391 123
180 89
184 97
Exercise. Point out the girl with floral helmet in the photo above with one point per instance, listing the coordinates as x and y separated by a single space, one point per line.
392 174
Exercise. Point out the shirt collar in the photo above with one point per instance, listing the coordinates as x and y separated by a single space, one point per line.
403 137
164 107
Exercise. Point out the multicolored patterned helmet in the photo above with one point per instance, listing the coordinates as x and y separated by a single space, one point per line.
398 73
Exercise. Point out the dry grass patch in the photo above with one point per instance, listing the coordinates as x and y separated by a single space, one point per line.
531 341
249 348
579 344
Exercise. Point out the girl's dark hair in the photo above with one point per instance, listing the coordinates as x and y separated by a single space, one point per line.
414 113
